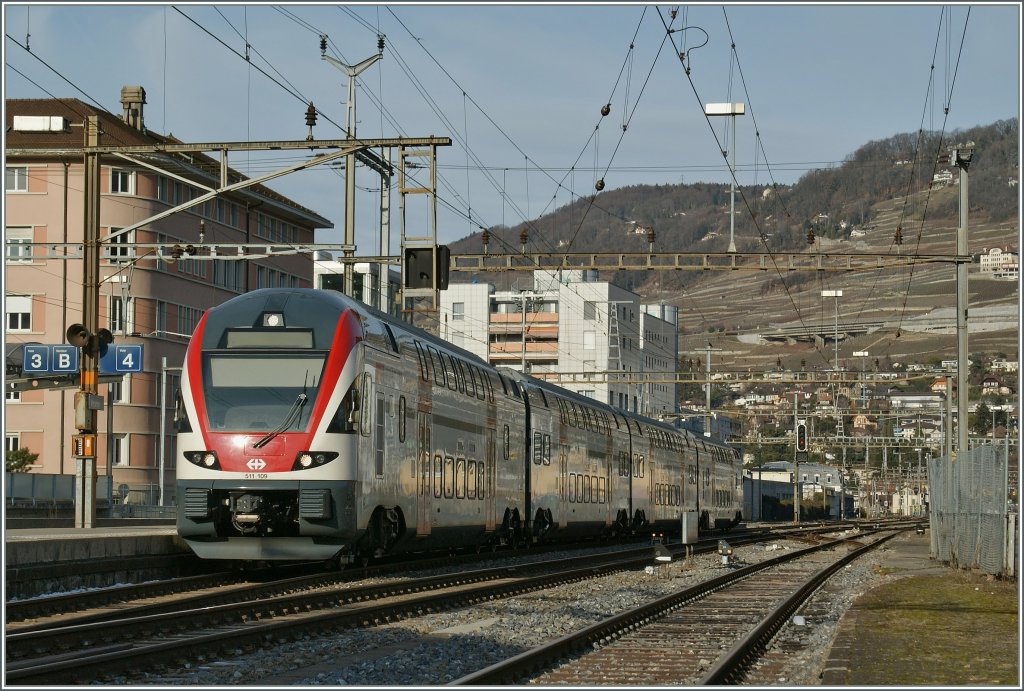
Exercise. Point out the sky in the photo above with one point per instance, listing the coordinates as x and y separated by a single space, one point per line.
519 88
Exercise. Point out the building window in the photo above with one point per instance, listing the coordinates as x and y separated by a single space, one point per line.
12 396
116 390
122 181
16 179
118 246
161 316
589 310
18 248
458 310
118 314
12 442
19 312
589 340
119 449
188 319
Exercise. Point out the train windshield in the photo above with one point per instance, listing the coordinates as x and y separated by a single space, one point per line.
256 392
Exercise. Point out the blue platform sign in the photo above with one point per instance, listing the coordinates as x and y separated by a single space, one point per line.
121 359
63 359
35 359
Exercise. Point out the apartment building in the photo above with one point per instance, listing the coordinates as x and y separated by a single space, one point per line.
147 296
571 328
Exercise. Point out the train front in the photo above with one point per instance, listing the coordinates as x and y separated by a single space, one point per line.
266 420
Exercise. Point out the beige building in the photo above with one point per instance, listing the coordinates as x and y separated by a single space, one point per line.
570 327
147 296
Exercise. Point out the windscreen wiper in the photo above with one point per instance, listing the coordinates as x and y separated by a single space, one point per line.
293 413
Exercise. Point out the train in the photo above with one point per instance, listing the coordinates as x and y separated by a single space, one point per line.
310 426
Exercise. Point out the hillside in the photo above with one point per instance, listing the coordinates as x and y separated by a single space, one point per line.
854 208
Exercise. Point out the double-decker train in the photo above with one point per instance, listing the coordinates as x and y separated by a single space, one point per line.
311 427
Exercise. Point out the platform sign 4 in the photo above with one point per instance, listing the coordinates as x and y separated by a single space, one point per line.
121 359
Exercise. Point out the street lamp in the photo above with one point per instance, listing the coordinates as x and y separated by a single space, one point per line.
835 294
732 110
863 384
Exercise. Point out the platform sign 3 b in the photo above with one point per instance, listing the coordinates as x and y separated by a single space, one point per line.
49 359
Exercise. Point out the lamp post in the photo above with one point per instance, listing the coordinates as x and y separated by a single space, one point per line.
863 385
732 110
351 71
835 294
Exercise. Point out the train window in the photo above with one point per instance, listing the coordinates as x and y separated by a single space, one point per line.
574 419
470 378
579 488
449 368
641 466
561 410
460 478
481 485
435 363
378 442
504 385
367 396
449 476
471 480
587 489
572 487
490 387
438 476
538 448
460 375
544 398
600 490
547 449
424 367
506 442
391 337
401 418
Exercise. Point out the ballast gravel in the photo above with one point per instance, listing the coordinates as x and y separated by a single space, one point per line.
437 648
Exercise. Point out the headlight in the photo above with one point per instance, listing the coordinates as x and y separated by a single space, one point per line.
313 459
203 459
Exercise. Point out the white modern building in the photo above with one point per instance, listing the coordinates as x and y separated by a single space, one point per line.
571 328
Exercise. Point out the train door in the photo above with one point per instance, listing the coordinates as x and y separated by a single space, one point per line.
487 486
424 491
563 486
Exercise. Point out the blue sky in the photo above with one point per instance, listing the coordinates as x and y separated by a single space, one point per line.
524 85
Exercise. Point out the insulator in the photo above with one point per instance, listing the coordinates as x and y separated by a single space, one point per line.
323 44
899 235
650 235
524 235
485 237
177 251
600 185
190 249
310 115
380 43
810 237
605 109
202 230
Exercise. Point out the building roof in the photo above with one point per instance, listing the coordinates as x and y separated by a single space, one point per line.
116 132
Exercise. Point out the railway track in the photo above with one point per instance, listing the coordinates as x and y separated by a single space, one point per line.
712 633
198 627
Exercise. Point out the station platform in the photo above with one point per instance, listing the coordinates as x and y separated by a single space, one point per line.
31 546
41 560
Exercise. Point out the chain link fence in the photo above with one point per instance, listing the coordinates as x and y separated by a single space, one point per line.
973 524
